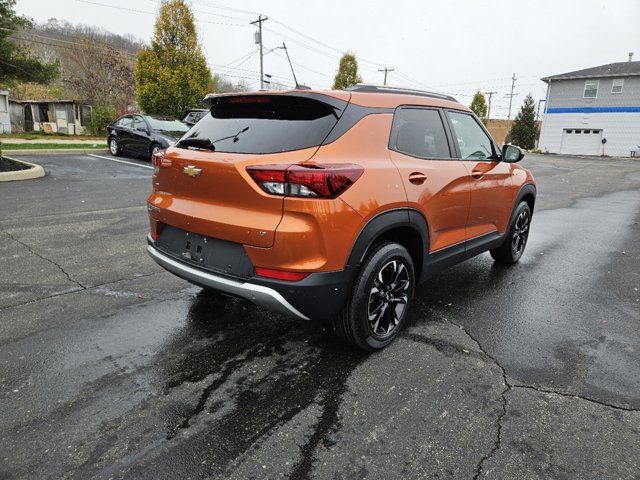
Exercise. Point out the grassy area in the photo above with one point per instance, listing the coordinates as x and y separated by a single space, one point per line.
51 146
46 136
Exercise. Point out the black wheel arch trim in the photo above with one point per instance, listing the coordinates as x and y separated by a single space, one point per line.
526 189
384 222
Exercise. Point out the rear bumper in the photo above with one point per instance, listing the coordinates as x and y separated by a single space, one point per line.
320 296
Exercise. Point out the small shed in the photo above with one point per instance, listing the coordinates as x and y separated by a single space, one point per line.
51 116
5 121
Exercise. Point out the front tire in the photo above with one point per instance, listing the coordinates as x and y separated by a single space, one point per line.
516 239
114 147
379 303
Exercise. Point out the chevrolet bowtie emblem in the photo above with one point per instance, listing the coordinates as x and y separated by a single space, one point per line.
192 171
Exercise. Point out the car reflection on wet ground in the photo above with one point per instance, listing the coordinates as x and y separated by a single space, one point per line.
112 368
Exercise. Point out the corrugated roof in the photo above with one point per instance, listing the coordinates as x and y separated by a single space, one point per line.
619 69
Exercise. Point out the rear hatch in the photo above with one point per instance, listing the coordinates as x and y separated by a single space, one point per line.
205 188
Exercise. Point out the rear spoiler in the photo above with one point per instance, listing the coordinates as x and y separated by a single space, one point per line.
338 104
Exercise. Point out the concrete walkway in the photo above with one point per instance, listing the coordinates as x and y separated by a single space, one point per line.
82 141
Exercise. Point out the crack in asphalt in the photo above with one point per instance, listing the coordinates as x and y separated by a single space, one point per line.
508 387
76 290
78 213
570 395
45 259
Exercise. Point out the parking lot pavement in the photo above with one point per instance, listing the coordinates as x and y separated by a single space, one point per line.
113 368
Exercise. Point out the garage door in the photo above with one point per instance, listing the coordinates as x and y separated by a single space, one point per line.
581 141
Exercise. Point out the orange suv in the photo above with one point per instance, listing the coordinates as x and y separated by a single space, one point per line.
335 205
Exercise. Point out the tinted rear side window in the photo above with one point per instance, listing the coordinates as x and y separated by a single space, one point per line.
419 132
265 123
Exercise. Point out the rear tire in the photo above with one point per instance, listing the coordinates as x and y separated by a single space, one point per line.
114 147
516 239
379 303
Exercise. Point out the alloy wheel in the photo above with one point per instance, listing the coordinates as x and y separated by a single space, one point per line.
113 146
388 298
520 233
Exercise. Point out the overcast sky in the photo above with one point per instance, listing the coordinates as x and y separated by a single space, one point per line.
455 46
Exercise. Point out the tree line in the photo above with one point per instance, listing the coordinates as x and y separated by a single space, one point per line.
117 74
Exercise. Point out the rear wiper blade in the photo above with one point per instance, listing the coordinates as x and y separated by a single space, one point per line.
235 137
202 143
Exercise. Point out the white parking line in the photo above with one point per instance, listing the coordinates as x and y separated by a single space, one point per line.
120 161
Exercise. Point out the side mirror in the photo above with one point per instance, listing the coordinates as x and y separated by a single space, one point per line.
142 129
512 153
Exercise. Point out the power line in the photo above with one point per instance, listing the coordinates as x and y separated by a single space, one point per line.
284 25
250 54
147 12
99 45
225 7
313 49
305 68
340 51
211 13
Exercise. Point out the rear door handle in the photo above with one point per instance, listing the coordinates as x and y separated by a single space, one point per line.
417 178
477 173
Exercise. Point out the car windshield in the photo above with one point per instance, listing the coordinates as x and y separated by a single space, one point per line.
166 124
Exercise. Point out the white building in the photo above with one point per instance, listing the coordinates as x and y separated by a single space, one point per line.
588 107
5 121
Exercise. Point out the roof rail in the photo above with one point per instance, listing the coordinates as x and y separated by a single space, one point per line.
362 87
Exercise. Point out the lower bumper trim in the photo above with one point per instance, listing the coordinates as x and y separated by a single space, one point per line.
260 295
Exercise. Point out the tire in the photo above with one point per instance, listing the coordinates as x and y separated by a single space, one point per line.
114 147
386 279
153 150
516 239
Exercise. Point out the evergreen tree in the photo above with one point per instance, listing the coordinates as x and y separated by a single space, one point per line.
347 75
479 105
16 64
172 74
524 131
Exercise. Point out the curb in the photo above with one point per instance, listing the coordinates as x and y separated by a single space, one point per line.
586 157
55 151
36 171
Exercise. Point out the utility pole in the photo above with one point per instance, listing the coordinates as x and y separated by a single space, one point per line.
385 70
491 94
511 95
259 22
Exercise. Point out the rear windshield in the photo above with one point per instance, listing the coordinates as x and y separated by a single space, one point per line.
166 124
265 123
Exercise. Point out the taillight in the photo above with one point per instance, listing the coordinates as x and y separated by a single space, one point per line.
280 274
322 181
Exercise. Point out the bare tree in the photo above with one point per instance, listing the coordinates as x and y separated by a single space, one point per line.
100 74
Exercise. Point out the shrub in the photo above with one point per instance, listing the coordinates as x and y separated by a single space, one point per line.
101 116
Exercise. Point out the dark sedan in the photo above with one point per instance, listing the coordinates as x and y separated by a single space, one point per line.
143 135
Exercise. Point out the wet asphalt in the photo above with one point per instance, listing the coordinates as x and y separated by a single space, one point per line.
113 368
